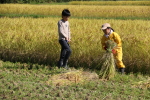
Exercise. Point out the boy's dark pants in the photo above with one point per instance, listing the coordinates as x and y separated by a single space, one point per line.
65 53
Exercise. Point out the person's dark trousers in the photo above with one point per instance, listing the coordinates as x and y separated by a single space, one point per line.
122 70
65 53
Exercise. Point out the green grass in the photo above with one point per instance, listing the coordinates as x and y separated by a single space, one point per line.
55 16
53 3
20 83
26 15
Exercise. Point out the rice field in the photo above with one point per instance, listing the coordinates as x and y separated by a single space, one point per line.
29 51
36 40
84 11
133 3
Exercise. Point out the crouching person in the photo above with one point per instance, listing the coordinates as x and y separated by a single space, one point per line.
64 38
109 34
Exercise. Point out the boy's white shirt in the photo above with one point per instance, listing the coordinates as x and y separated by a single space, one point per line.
64 30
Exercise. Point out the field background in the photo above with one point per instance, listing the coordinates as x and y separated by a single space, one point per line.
56 1
29 40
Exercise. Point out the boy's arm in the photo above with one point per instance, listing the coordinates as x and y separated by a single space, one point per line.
103 43
61 30
117 40
69 33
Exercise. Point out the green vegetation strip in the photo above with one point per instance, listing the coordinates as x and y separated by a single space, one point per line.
55 16
18 83
25 15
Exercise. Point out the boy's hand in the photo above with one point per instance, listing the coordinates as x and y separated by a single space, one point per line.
105 48
113 51
66 38
69 40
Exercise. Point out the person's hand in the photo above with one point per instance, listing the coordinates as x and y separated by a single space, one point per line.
113 51
66 38
105 48
69 40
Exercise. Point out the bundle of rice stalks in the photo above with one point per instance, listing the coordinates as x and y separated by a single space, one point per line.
107 62
71 77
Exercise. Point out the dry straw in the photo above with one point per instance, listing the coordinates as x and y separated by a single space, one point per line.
71 77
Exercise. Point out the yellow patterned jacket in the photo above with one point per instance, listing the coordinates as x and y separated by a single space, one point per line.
114 37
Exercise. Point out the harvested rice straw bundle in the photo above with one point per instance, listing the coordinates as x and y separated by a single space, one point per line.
107 62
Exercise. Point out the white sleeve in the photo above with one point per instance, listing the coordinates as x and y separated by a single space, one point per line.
69 31
61 30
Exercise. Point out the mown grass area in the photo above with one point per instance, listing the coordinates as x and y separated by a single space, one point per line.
18 82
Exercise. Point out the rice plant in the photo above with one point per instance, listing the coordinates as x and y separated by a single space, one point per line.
87 11
36 41
107 62
133 3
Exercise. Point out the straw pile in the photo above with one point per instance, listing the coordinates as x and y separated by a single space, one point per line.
72 77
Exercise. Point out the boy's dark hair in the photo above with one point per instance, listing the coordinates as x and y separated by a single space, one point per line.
111 28
66 12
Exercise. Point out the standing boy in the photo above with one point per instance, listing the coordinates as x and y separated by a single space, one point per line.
109 34
64 38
